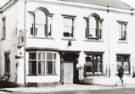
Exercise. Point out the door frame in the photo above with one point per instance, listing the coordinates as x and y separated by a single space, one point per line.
74 55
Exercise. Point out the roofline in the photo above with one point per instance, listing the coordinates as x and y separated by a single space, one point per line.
126 4
88 6
6 5
95 7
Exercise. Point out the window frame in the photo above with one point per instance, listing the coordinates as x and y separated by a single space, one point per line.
7 62
94 63
72 34
47 14
121 32
37 60
98 30
122 62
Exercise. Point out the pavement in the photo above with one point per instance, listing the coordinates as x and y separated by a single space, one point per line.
60 88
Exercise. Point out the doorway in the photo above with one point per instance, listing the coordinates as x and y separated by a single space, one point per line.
69 72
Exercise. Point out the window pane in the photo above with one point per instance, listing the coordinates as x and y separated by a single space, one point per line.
93 63
119 58
126 67
92 26
90 69
41 68
122 30
7 63
54 56
89 66
41 56
118 65
92 22
68 24
124 60
40 29
32 67
98 67
40 18
50 67
32 56
50 56
49 26
125 27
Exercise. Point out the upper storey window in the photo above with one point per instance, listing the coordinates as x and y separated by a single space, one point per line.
122 30
93 27
42 23
68 26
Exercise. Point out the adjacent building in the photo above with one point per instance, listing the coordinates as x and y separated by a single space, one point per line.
66 41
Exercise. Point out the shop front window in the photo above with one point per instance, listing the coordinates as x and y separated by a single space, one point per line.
123 60
93 65
42 63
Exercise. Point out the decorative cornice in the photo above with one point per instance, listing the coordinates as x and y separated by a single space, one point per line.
68 16
124 22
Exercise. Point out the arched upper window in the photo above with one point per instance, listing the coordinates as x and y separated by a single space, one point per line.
94 26
42 23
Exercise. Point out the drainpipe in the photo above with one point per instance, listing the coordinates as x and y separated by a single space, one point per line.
25 84
108 44
132 69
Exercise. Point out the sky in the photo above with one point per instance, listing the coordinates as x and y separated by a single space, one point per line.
130 2
3 2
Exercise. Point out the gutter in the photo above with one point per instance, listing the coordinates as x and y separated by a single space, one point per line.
7 5
80 5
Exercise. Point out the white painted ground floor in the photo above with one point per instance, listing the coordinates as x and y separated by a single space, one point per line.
45 66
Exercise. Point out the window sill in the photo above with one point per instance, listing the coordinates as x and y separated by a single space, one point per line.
96 74
125 74
42 75
19 45
51 38
94 40
122 41
2 39
66 38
